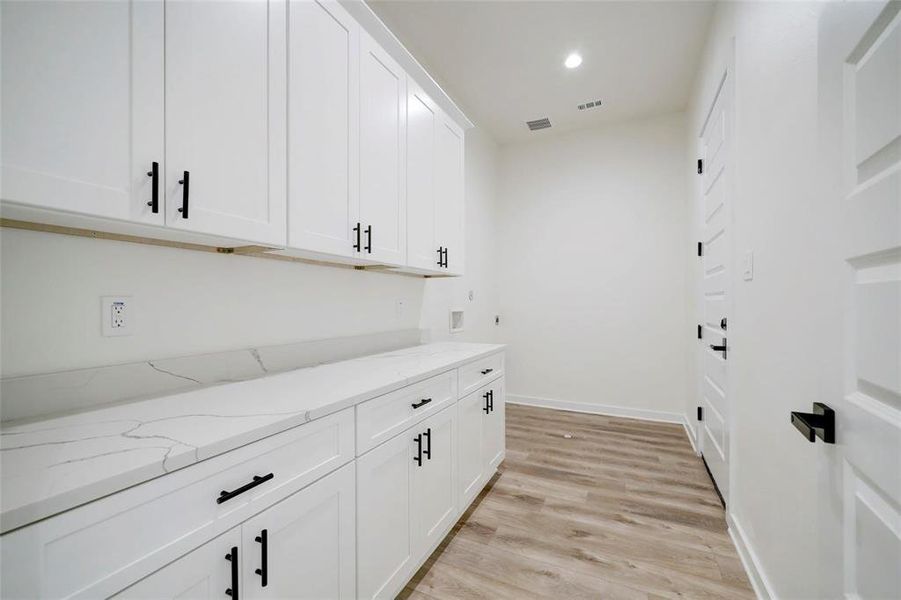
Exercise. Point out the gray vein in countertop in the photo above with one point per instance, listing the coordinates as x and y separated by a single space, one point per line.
256 354
161 370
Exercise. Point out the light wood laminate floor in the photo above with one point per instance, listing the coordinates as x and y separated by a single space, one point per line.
623 509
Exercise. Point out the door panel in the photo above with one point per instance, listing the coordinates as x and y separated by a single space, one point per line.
494 430
470 461
434 482
422 249
323 132
449 192
202 574
382 153
310 543
860 123
225 117
82 100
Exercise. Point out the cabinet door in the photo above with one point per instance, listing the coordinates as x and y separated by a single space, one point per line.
384 541
422 250
323 127
433 482
494 429
82 102
304 545
449 192
470 461
225 118
382 156
203 574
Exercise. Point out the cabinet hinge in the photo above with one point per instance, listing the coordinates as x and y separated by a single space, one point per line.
700 413
700 166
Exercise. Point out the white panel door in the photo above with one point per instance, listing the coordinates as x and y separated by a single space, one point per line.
323 127
304 546
384 516
422 122
433 482
202 574
494 430
82 105
470 461
715 229
383 100
860 128
449 193
225 118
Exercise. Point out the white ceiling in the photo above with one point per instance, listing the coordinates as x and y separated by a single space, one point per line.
502 61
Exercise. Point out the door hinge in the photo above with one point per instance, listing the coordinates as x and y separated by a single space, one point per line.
700 166
700 332
700 413
700 248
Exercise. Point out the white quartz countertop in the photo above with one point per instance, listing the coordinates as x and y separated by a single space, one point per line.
55 464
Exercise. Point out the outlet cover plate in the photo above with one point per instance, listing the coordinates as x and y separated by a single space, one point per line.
116 315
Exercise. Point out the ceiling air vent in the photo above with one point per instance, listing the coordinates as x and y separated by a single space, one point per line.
539 124
592 104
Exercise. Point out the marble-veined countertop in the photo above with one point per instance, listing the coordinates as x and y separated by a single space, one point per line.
55 464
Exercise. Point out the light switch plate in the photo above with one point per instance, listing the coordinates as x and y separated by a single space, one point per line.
116 316
748 266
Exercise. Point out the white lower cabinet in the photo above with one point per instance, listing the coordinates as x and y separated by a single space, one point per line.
302 547
433 489
481 439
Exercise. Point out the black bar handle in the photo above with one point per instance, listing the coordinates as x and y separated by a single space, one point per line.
257 480
722 348
440 256
368 246
422 402
818 424
357 231
232 557
487 408
263 571
486 371
418 458
491 400
154 203
428 443
185 182
445 258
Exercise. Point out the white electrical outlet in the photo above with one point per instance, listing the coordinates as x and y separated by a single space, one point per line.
115 315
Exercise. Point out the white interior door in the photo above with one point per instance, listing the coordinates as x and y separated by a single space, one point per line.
716 215
225 118
82 103
383 210
323 127
860 128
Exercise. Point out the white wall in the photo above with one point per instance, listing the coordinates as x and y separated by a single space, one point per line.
189 302
443 294
784 332
593 235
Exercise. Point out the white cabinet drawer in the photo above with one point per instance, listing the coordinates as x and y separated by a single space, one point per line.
139 530
478 373
384 417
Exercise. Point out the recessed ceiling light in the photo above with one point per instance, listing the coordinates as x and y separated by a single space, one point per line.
573 60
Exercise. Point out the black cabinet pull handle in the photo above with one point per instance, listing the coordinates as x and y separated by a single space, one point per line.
154 203
445 258
418 458
723 323
257 480
486 371
368 246
185 182
440 256
422 402
487 408
263 571
232 557
818 424
428 443
357 231
491 400
722 348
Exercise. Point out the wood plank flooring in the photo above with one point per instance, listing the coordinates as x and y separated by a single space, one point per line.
623 509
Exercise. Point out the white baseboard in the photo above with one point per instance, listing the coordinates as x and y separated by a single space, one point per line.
598 409
762 587
691 435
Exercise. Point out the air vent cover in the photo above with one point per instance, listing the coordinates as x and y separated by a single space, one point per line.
591 104
539 124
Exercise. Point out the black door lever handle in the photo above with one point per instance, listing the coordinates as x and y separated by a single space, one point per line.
818 424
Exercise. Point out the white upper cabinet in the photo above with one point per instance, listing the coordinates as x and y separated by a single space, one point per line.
449 193
383 100
323 131
422 119
82 106
225 118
